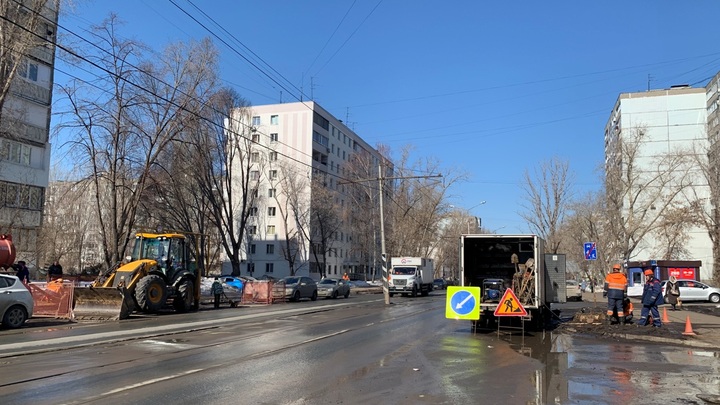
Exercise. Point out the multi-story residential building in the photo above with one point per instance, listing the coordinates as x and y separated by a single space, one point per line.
25 123
295 146
673 121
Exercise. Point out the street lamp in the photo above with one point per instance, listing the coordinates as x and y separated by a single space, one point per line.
477 220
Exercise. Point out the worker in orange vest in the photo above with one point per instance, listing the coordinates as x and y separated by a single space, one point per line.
615 290
346 277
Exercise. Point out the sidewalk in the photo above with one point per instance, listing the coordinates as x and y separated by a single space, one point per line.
705 326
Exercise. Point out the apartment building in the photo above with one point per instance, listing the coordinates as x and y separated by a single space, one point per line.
25 122
673 120
295 146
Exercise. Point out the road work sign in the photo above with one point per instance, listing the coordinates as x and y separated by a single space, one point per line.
510 305
462 303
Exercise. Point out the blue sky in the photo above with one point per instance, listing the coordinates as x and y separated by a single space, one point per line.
487 88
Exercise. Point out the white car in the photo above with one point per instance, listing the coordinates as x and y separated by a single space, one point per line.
691 290
333 288
16 302
573 291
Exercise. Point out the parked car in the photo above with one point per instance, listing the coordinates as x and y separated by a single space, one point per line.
297 287
439 284
333 288
573 291
16 302
691 290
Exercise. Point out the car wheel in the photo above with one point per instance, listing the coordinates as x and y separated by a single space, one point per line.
314 296
296 296
14 317
714 298
391 294
334 295
347 293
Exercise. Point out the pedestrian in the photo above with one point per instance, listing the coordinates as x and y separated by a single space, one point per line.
651 298
22 272
672 292
615 290
346 277
54 271
583 285
217 290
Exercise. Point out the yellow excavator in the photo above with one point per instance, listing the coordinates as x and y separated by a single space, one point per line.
160 273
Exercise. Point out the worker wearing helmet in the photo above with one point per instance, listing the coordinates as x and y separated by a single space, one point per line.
651 298
615 290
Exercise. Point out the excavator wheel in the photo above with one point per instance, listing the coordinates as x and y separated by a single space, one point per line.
185 296
151 293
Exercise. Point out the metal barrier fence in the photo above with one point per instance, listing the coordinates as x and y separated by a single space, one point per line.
263 292
53 299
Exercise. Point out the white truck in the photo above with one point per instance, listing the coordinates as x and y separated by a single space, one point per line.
496 263
410 276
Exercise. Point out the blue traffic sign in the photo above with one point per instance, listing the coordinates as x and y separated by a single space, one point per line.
590 251
463 303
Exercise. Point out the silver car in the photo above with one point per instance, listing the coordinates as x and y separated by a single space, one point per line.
691 290
333 288
297 287
16 302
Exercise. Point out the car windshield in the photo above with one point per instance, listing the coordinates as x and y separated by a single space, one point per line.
292 280
404 270
328 281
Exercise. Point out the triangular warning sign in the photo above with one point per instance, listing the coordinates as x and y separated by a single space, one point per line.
510 305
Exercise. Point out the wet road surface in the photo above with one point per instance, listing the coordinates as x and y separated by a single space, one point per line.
343 352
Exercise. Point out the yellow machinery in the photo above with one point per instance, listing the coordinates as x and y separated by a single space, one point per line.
160 272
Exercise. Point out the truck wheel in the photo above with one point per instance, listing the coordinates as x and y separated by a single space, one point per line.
414 292
391 294
151 293
185 296
14 317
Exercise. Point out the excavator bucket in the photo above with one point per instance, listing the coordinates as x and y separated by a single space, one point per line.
102 304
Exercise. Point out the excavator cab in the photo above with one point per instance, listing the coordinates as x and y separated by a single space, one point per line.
160 271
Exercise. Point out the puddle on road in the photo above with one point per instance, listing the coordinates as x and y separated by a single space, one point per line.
584 370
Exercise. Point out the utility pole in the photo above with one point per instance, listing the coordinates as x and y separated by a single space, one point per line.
383 254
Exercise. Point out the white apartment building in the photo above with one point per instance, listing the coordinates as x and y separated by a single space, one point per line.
24 138
673 118
304 140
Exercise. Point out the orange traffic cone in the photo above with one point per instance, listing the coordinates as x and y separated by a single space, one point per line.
665 317
688 327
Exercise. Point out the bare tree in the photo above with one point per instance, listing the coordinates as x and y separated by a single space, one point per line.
124 122
642 192
547 196
293 208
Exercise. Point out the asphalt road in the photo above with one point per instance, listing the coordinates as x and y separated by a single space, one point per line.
352 351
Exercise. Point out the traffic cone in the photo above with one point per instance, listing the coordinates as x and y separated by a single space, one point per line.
688 327
665 317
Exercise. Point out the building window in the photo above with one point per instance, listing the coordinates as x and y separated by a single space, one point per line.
255 157
256 138
252 211
254 175
273 156
273 120
251 230
271 211
252 248
272 174
29 71
274 137
270 248
269 267
251 268
15 152
256 120
255 193
271 229
271 192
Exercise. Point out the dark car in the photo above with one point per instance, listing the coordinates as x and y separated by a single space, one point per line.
439 284
297 287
